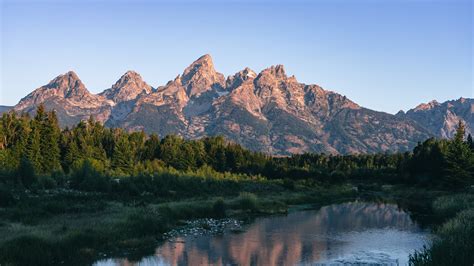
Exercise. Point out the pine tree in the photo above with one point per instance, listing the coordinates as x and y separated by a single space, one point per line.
50 139
170 151
72 155
26 172
17 142
108 142
3 137
460 132
188 159
41 115
95 136
460 160
137 143
152 148
122 157
470 142
33 151
428 160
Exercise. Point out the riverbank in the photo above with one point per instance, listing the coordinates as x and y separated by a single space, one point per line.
448 213
75 228
354 232
454 244
48 227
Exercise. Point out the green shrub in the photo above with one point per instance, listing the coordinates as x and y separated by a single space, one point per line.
144 222
59 178
337 176
289 184
39 252
248 201
219 207
88 175
26 172
6 196
46 182
454 245
186 210
448 206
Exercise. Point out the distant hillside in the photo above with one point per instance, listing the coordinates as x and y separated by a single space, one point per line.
4 108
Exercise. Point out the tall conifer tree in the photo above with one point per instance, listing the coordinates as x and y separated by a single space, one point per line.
459 160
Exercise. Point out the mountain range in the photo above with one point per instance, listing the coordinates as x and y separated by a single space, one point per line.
267 111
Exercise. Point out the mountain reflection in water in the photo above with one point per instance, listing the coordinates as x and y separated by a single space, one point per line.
348 233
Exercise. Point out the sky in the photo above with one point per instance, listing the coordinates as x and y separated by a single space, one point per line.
384 55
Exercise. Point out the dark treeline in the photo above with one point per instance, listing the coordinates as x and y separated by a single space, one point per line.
35 151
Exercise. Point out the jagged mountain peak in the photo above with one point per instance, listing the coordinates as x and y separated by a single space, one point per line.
273 85
442 118
68 84
201 76
129 77
202 64
131 74
278 71
238 78
70 74
66 94
177 79
269 112
248 73
207 59
426 106
128 87
400 113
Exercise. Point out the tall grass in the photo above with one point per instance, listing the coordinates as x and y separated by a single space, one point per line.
454 244
448 206
248 201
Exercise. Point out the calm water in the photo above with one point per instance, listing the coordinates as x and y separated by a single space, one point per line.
339 234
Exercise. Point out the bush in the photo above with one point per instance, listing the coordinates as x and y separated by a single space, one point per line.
248 201
219 207
26 172
186 210
144 222
88 176
6 196
289 184
46 182
454 246
59 178
448 206
338 176
40 252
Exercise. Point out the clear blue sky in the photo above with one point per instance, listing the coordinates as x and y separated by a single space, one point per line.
384 55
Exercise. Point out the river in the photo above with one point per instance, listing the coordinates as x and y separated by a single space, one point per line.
353 233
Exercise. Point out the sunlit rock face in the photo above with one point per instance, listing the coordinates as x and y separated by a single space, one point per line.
268 111
201 76
343 233
127 88
70 98
442 118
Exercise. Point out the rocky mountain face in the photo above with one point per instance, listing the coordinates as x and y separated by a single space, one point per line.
70 98
127 88
441 119
269 111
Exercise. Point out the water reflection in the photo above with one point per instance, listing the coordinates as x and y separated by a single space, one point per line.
351 233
